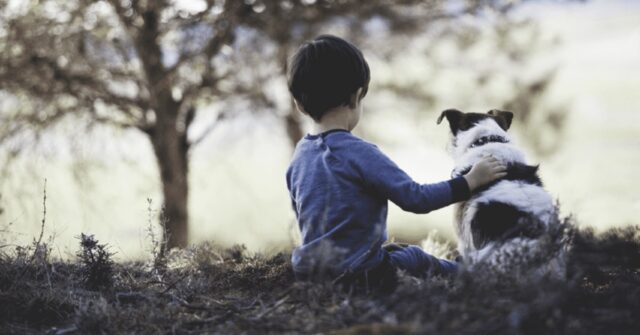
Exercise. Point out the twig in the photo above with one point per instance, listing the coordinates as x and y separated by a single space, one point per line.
170 286
63 331
272 308
44 216
213 125
37 246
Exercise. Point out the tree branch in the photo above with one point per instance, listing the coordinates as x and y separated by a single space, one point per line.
210 128
127 21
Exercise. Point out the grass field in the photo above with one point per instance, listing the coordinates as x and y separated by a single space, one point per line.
205 289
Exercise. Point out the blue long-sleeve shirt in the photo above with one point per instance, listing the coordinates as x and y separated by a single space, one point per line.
339 186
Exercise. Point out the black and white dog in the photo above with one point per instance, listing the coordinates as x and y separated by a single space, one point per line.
509 216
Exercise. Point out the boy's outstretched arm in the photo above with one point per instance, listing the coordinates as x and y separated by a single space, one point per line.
385 178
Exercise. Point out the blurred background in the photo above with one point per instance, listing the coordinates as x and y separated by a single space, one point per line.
125 107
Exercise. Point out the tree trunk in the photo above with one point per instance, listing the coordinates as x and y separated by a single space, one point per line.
168 137
293 125
170 147
291 120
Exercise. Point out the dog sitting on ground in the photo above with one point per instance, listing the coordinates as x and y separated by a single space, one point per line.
510 216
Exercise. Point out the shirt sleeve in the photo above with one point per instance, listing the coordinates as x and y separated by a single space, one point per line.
386 179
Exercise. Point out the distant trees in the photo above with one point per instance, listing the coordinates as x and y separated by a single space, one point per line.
120 63
151 65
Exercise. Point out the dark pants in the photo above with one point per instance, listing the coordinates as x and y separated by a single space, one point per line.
383 278
416 262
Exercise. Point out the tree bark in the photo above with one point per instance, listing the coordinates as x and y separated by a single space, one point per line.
171 150
168 138
292 121
293 125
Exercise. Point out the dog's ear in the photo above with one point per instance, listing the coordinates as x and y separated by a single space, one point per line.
503 118
454 117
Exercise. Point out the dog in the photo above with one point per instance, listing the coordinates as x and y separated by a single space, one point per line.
510 217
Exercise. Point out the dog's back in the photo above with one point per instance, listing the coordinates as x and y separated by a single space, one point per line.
515 206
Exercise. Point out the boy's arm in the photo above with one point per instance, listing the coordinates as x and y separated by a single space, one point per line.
384 177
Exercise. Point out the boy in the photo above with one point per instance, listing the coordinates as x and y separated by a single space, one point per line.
340 184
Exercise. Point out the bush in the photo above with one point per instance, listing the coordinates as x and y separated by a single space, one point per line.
96 266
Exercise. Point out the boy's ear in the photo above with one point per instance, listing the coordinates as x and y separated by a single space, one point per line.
355 98
298 107
454 117
502 117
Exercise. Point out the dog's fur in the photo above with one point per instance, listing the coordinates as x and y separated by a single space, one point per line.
509 215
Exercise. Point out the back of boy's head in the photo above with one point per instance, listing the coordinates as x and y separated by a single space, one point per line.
325 73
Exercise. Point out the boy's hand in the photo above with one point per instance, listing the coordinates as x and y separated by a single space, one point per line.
485 171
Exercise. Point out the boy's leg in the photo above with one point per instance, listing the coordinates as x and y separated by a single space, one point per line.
380 279
418 263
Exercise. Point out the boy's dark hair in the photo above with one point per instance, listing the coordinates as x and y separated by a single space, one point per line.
325 73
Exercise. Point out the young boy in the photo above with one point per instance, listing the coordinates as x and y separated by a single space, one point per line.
340 184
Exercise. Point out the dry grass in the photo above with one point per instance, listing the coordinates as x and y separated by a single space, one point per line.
207 290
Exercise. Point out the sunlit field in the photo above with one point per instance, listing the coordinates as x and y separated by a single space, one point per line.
101 183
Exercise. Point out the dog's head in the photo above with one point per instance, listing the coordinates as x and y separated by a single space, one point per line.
475 134
459 121
475 129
